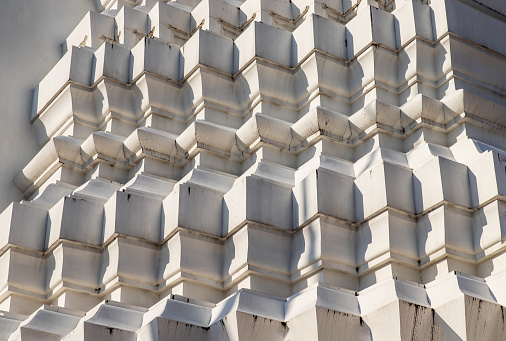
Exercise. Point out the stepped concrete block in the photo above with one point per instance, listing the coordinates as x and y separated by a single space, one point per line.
323 192
170 22
132 24
75 219
23 225
146 58
112 61
440 180
383 185
122 217
204 202
198 51
257 200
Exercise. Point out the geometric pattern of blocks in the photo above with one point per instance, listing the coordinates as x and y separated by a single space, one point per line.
267 170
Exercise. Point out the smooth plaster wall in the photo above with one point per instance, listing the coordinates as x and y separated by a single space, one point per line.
31 37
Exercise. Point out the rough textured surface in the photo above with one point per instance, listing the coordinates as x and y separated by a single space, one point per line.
265 170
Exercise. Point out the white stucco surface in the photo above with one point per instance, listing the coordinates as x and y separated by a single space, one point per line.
254 170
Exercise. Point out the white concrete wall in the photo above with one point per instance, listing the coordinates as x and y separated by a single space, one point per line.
309 175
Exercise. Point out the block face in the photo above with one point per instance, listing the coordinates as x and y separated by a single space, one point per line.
213 51
339 243
455 182
441 179
112 61
200 209
82 221
234 206
137 261
336 195
373 238
26 271
485 178
431 234
275 250
302 254
399 189
73 264
403 235
156 57
24 226
370 192
203 256
305 200
132 215
458 230
268 203
427 185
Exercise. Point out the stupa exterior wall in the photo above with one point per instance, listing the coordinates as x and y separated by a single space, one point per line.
261 170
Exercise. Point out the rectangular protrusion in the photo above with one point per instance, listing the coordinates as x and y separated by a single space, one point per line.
264 41
133 215
441 179
23 225
208 49
112 60
75 219
157 57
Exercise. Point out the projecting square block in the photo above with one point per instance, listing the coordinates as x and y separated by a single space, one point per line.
191 253
388 232
263 41
324 192
156 57
264 248
73 264
76 65
445 227
170 23
383 185
441 179
112 60
487 178
319 33
132 259
489 225
209 49
132 215
213 12
24 226
132 24
193 207
371 24
258 200
324 239
75 219
413 19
